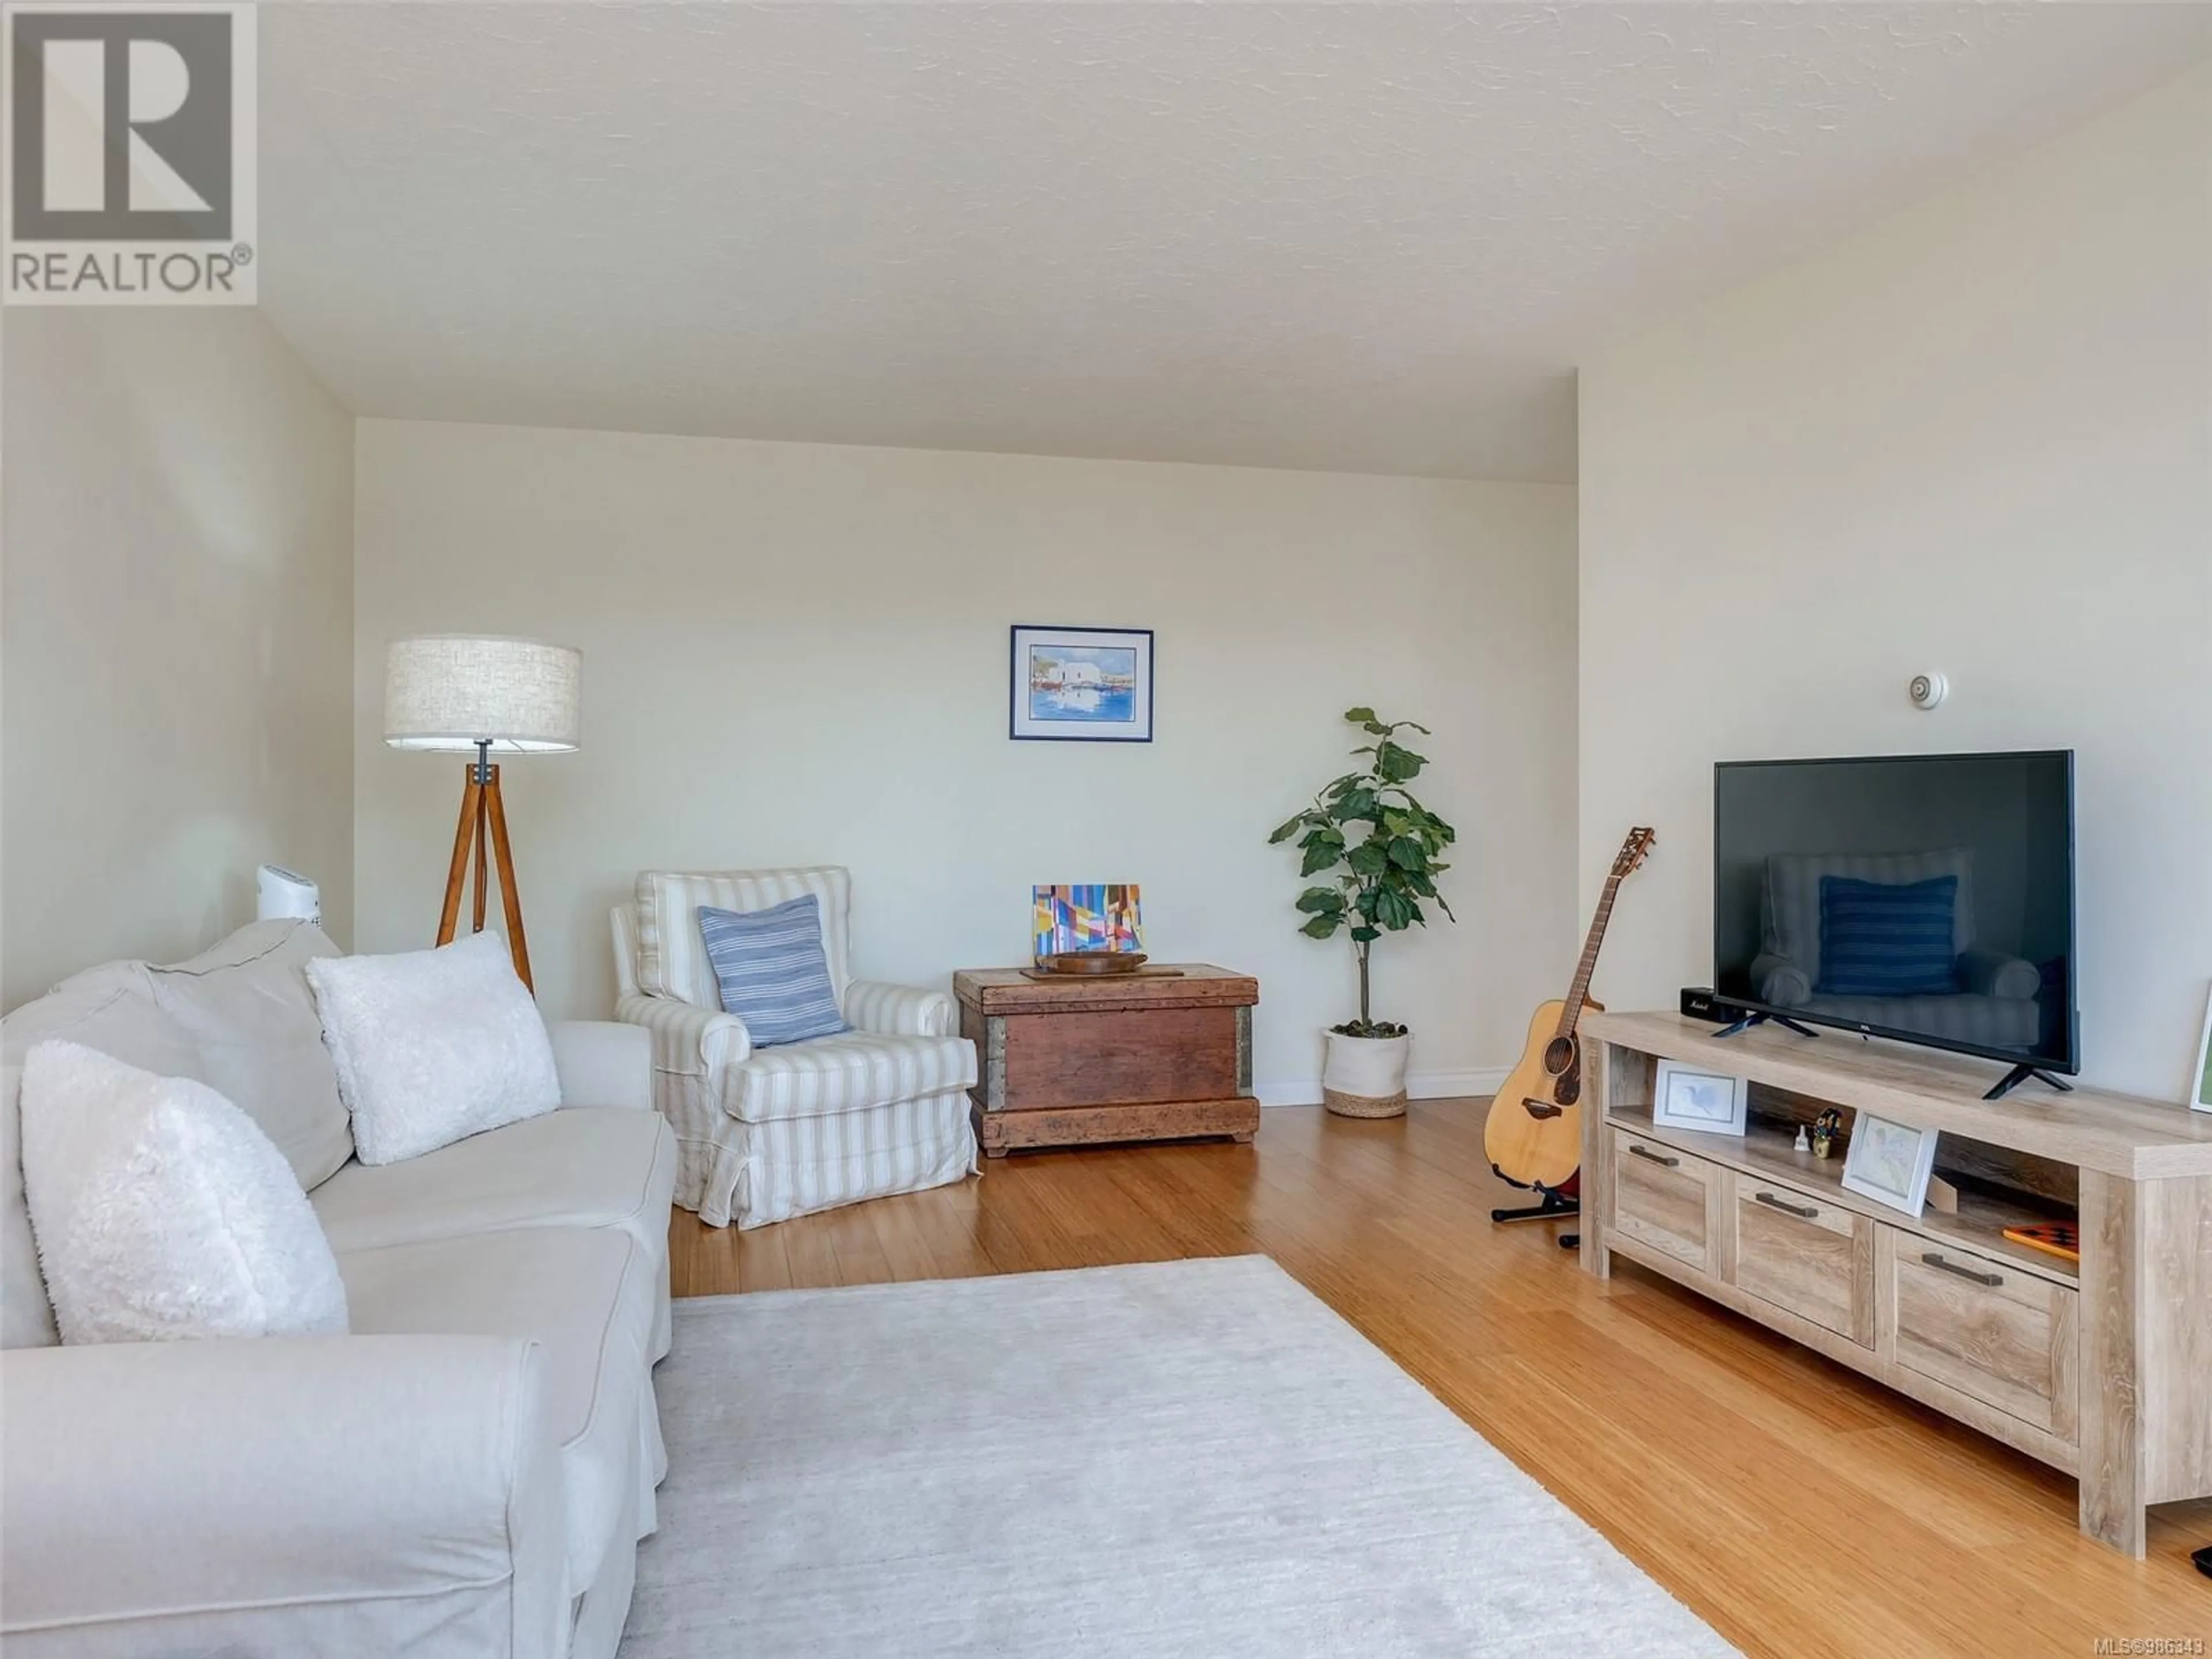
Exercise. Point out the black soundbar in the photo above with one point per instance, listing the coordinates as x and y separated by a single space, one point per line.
1703 1002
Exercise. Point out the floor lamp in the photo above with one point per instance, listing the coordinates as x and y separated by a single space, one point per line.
462 692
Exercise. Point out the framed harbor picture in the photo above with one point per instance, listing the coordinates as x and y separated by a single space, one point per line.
1081 684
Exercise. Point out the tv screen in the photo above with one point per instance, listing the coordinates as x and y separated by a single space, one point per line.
1926 897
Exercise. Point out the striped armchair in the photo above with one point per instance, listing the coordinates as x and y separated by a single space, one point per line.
766 1134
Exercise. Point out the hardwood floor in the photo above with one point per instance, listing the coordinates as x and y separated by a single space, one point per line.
1800 1509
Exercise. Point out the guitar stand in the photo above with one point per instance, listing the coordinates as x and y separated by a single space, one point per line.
1550 1208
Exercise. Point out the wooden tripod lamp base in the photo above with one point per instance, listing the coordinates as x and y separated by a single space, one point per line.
482 834
475 694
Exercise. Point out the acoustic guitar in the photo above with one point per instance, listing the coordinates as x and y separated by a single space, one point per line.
1534 1135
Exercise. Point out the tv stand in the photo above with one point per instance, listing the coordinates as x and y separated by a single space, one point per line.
2093 1366
2020 1074
1750 1020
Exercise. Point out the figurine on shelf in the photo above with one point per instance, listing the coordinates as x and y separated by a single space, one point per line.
1826 1129
1801 1145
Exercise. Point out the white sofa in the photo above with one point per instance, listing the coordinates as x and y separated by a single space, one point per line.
766 1134
467 1473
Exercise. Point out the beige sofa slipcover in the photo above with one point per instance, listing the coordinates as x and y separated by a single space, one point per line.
468 1472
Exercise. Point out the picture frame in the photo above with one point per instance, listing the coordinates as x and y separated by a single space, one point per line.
1067 685
1890 1162
1691 1098
2200 1089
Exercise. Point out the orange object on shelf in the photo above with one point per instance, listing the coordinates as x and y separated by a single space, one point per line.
2061 1238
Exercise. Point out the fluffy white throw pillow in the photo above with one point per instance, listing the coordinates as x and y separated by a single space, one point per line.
433 1045
162 1211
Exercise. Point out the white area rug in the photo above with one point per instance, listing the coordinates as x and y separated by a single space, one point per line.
1190 1460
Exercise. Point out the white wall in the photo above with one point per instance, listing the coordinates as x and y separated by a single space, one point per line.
797 652
176 583
1976 437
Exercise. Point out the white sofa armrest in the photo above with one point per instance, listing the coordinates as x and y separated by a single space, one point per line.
899 1010
349 1494
693 1042
603 1062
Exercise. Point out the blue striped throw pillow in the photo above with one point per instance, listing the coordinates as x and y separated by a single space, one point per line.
1887 938
773 971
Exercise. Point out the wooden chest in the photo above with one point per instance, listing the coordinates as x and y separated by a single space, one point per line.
1074 1061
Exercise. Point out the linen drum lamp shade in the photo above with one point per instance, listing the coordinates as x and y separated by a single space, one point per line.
457 691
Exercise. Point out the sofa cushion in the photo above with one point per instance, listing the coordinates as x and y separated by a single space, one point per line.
109 1008
162 1211
247 1008
672 957
587 1297
582 1166
434 1045
848 1073
1887 938
1790 900
772 972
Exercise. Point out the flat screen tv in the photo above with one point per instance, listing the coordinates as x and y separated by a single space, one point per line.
1929 898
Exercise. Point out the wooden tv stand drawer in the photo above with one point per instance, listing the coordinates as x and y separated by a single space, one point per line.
1666 1198
2091 1366
1808 1257
1982 1327
1811 1259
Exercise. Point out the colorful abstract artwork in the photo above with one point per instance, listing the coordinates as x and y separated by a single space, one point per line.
1087 916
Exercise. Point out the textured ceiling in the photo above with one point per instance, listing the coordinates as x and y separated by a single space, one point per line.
1364 237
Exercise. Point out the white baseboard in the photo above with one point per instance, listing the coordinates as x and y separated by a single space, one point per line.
1421 1085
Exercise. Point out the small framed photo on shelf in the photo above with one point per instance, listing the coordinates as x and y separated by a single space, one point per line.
1889 1162
2200 1081
1686 1097
1081 684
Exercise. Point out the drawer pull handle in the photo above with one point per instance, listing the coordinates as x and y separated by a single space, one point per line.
1948 1266
1645 1152
1773 1203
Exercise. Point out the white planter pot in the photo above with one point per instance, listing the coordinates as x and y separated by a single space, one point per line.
1366 1077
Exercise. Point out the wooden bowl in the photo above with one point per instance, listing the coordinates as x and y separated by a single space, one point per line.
1074 962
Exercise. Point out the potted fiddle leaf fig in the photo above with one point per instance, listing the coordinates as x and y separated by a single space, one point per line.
1378 851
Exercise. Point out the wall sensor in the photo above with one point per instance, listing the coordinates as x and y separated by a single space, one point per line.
1929 689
